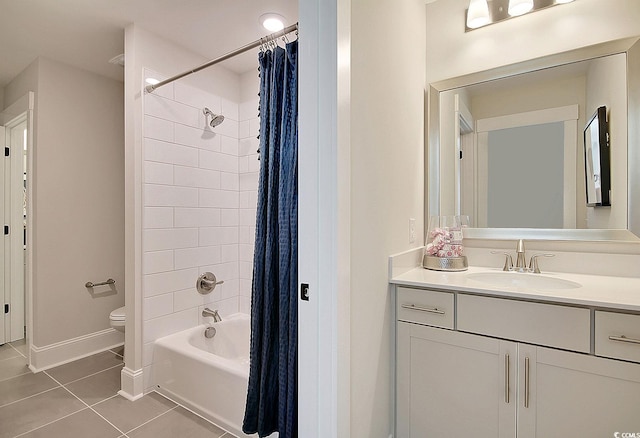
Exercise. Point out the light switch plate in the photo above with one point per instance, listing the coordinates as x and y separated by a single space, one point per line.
412 230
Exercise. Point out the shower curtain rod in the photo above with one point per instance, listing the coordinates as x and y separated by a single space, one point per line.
151 87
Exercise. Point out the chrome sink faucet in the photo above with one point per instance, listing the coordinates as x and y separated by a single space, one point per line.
214 313
521 260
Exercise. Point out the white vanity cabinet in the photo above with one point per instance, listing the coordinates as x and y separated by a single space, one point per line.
481 378
452 384
574 394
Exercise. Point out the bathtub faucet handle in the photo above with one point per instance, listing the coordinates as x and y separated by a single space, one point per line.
207 282
214 313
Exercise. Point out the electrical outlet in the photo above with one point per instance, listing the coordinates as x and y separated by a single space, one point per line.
412 230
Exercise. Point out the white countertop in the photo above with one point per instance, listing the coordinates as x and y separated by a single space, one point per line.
596 290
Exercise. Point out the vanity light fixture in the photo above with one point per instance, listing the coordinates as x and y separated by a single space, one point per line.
485 12
519 7
478 14
272 22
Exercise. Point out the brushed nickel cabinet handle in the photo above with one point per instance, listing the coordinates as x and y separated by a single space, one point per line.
506 378
623 338
423 309
526 382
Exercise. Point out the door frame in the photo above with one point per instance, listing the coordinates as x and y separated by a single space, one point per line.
324 219
23 109
569 116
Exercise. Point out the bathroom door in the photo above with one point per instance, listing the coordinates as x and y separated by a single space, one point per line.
14 221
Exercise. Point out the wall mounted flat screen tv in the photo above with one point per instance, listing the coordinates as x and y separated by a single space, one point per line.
596 160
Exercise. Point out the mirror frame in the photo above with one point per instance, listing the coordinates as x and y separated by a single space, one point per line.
628 46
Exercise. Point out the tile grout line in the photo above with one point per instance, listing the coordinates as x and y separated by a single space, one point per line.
50 389
17 375
51 422
87 405
19 352
12 357
225 432
106 399
89 375
30 396
154 418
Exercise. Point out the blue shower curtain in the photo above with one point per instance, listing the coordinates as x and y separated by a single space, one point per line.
272 393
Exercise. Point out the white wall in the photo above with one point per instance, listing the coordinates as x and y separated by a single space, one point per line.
604 87
198 188
27 80
530 97
250 86
78 199
387 147
451 52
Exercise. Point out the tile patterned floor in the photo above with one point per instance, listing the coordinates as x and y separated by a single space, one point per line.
79 400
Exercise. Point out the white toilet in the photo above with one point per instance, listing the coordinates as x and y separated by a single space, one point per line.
117 318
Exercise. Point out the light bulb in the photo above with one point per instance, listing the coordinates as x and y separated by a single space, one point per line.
478 14
519 7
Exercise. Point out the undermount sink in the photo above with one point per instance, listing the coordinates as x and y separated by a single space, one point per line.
522 280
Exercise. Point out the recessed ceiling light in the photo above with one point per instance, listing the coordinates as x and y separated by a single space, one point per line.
152 81
272 22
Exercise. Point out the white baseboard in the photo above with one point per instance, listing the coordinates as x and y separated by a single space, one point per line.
49 356
132 384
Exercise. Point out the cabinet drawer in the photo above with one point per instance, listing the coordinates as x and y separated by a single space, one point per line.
563 327
425 307
618 335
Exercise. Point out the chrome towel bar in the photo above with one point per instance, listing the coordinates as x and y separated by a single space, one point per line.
88 284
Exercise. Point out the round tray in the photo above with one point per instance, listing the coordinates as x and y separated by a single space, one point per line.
445 263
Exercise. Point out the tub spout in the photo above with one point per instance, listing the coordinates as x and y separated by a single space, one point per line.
213 313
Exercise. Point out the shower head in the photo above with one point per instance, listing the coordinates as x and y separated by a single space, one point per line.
216 119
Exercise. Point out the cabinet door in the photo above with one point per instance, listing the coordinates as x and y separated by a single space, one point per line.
452 384
574 394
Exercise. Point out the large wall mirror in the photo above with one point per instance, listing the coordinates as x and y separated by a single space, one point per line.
505 146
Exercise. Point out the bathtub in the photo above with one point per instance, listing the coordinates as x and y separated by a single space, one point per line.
208 376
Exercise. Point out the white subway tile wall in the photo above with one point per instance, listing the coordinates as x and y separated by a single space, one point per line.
199 199
248 175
